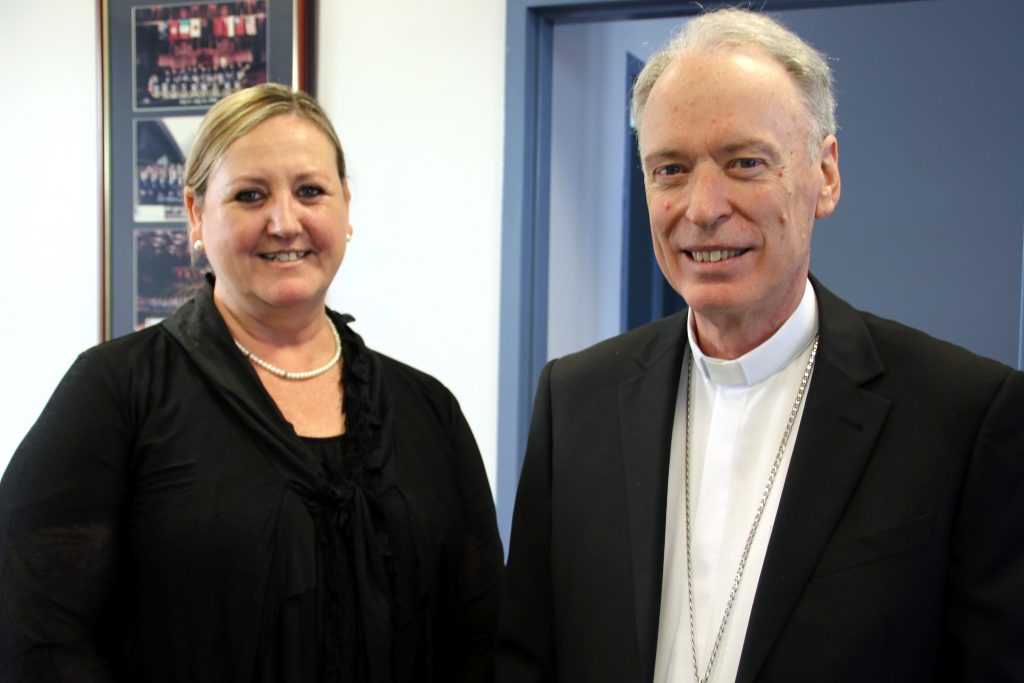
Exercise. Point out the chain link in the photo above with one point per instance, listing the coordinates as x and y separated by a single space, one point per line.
757 515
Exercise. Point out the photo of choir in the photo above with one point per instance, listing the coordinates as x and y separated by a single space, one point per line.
161 146
193 55
165 277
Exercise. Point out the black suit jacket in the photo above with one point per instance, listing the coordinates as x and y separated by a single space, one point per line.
897 552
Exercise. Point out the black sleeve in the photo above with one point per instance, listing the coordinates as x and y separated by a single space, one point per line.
985 619
61 502
526 643
482 561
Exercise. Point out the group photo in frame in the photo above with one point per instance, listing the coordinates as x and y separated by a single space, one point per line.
165 276
192 55
164 64
161 147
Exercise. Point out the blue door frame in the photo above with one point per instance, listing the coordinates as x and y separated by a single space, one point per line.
524 241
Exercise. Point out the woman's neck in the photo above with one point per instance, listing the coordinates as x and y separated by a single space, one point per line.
301 330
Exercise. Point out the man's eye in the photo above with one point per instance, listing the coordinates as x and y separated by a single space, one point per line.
310 191
669 170
248 196
746 163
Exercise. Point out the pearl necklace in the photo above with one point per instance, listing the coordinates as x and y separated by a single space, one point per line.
757 515
285 374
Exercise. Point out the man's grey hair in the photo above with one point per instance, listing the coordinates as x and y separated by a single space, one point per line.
742 28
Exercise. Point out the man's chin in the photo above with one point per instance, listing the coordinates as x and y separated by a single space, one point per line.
714 299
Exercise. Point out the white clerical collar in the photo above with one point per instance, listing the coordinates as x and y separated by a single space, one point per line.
770 356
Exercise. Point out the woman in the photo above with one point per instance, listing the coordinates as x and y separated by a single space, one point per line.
246 492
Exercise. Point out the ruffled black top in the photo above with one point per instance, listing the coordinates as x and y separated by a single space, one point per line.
163 522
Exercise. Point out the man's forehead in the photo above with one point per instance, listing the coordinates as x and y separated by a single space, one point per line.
722 63
721 89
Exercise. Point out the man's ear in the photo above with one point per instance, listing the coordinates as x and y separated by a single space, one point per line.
828 160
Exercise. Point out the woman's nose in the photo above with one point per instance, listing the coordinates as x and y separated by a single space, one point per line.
284 218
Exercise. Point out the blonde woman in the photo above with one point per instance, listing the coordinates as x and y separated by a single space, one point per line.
246 492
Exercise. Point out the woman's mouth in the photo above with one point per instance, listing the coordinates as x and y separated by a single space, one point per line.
284 256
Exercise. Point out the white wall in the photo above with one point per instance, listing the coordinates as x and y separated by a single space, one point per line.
49 194
416 92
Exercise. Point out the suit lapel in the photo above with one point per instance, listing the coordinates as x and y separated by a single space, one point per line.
646 408
840 425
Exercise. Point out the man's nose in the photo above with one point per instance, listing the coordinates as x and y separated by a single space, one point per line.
284 217
708 200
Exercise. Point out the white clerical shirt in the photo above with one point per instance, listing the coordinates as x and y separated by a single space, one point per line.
741 408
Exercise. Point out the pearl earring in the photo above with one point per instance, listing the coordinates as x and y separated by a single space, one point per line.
198 246
348 237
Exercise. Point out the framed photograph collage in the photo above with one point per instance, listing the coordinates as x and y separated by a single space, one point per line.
164 65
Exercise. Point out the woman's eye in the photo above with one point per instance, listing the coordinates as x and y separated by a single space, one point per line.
310 191
248 196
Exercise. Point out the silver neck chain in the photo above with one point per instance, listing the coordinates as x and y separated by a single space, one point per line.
757 515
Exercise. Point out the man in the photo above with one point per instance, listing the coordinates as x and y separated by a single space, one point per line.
770 486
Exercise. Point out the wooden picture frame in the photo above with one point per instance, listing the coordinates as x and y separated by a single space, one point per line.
163 65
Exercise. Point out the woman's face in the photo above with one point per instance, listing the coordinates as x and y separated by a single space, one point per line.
274 221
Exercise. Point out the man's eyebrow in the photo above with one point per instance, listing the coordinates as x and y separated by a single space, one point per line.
746 146
752 145
662 155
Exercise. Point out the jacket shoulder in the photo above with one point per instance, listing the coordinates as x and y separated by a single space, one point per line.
866 347
900 344
625 354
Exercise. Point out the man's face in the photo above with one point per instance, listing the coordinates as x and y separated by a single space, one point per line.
732 188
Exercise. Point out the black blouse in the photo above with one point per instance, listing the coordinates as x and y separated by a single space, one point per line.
163 522
298 645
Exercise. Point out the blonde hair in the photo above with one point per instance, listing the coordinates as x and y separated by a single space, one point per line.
237 114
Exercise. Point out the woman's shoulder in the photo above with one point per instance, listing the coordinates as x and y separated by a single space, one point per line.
141 366
107 389
128 352
398 371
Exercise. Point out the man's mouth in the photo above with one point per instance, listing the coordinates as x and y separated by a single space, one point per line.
284 256
715 255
